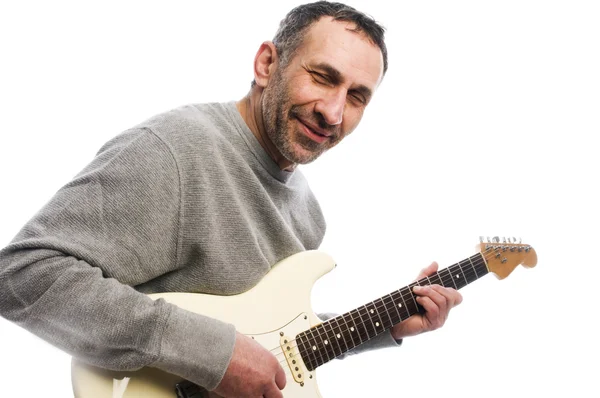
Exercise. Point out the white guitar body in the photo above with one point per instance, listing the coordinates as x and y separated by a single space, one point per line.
278 307
277 311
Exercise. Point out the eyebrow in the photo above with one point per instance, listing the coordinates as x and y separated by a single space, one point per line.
337 78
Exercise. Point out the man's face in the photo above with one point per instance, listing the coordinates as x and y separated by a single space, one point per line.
319 98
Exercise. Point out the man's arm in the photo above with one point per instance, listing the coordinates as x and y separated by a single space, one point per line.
67 275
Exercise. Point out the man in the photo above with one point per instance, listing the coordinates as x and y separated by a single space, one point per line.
205 198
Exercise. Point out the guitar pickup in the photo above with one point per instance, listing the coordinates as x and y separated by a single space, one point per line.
292 356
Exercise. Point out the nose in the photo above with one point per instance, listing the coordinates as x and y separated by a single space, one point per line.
332 107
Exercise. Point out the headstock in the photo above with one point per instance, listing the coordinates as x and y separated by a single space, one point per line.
503 255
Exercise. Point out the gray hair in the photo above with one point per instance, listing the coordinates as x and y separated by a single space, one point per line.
292 29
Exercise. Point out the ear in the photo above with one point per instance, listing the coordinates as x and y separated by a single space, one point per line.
265 63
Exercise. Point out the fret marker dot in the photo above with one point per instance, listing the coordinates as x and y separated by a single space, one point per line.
372 312
314 348
339 336
377 324
326 342
400 305
352 328
457 276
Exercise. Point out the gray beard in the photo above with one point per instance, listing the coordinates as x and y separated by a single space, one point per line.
278 126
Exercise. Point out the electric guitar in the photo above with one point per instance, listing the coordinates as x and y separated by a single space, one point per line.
277 314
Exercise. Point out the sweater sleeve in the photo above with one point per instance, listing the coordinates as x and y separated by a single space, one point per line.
69 276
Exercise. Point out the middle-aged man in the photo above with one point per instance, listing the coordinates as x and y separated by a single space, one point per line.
204 198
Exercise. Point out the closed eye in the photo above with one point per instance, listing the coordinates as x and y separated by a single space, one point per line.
321 78
358 97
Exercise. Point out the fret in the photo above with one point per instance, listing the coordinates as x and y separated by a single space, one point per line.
458 277
462 271
401 305
395 306
412 296
327 346
340 334
352 331
481 264
340 338
307 356
314 348
436 279
391 319
467 271
368 327
373 314
470 275
379 308
462 277
447 278
472 266
343 330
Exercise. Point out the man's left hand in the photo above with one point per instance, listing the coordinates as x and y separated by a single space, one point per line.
437 302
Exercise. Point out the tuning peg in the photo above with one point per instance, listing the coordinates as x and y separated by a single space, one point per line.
496 239
480 239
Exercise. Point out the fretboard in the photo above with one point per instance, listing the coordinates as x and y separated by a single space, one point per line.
335 336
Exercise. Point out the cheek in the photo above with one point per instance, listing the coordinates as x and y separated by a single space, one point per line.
303 94
302 90
352 118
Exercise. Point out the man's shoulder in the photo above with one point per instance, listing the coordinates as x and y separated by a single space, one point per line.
192 123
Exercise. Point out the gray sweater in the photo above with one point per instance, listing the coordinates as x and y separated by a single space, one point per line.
186 201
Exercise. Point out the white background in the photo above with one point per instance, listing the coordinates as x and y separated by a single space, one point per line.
484 125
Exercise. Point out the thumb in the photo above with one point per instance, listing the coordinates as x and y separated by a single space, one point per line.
280 378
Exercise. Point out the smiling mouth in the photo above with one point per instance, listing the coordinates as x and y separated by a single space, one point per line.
312 134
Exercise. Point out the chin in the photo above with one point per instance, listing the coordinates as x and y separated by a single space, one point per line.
306 158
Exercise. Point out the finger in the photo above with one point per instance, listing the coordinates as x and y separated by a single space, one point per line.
436 305
452 296
280 379
434 317
438 295
432 310
427 271
273 392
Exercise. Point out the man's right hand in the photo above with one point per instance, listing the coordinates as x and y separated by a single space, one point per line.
252 372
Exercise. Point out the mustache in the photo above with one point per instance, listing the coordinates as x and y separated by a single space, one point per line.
315 118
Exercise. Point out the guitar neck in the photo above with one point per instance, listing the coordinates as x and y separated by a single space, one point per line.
332 338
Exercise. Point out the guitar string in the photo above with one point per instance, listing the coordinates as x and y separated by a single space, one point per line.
404 290
471 270
321 358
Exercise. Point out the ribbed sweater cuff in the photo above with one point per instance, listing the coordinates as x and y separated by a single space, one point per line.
196 347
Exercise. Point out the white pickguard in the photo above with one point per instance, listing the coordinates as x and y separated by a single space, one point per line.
280 303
